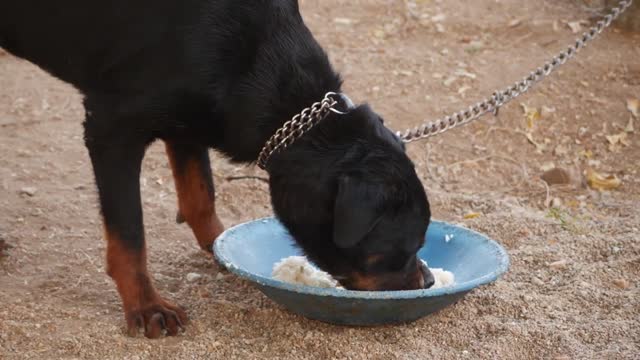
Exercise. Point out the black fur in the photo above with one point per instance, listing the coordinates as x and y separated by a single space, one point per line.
225 74
353 183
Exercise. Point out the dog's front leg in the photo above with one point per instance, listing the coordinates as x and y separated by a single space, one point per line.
116 163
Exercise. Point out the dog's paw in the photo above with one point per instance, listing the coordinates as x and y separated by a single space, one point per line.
156 318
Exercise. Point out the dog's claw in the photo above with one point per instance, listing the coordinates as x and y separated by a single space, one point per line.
180 218
156 319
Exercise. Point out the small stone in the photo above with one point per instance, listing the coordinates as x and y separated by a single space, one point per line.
29 190
547 166
537 281
621 284
219 276
559 265
343 21
193 277
556 176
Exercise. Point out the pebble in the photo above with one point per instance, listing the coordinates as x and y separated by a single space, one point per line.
219 276
29 190
621 284
537 281
556 176
559 265
193 277
556 202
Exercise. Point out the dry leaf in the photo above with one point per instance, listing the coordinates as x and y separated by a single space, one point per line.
464 89
472 215
575 26
587 154
449 81
531 114
547 166
474 47
515 22
616 141
633 105
629 128
540 148
559 265
380 34
621 284
438 18
465 73
546 111
601 181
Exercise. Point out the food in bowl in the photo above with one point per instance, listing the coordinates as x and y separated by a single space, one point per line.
298 270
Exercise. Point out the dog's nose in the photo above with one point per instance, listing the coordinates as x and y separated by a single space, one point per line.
429 280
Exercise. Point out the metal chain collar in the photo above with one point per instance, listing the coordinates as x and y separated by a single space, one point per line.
299 125
499 98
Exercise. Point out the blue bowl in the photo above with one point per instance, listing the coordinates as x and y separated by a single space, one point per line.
250 250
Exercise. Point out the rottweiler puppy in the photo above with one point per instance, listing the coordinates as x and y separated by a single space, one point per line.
224 75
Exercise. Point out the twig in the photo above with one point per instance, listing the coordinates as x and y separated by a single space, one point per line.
248 177
547 201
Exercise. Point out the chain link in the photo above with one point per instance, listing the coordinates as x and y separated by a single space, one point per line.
296 127
500 98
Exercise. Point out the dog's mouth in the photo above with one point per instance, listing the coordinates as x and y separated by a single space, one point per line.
421 279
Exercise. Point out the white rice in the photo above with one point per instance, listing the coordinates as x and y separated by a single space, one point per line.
298 270
443 278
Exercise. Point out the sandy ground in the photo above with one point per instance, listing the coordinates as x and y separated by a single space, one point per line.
572 290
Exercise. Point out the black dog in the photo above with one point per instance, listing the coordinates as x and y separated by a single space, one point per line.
224 74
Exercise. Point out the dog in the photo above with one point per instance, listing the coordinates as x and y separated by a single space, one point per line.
225 75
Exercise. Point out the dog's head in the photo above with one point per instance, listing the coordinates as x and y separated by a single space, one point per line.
351 198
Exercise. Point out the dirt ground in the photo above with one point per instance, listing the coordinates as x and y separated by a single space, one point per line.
572 291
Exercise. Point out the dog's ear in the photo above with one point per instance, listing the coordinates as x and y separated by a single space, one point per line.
357 210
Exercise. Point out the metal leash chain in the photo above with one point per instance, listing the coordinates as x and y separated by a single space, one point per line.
296 127
500 98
